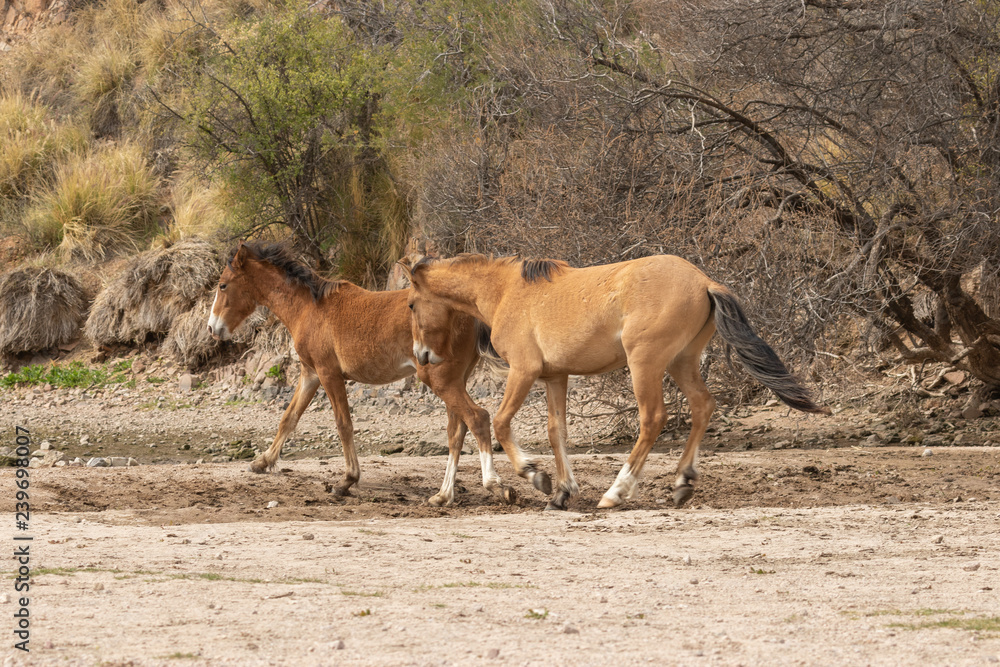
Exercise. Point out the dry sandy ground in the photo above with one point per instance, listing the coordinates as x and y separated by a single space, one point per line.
835 556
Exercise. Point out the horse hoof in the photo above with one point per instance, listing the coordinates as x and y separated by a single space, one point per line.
258 468
438 501
608 502
554 506
682 494
542 482
509 495
342 491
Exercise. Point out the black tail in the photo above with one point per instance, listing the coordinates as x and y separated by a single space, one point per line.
488 354
757 356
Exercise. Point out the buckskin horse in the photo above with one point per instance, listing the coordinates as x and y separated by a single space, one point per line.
344 332
549 321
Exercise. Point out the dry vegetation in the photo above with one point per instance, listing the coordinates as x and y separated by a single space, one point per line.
41 308
835 163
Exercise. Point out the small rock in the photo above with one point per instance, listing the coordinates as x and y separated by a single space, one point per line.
891 500
955 377
493 653
972 412
138 366
971 568
45 446
272 504
570 630
937 539
118 461
694 581
308 536
85 440
35 463
5 598
97 462
98 587
132 462
687 559
77 462
187 382
338 645
199 461
927 452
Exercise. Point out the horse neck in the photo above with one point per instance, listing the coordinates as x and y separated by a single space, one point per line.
472 288
271 289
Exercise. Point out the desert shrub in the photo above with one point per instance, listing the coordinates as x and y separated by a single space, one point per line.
155 289
99 203
41 308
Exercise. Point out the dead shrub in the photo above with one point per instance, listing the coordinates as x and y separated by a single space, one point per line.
155 289
41 308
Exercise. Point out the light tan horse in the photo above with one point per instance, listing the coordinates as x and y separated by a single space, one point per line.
550 321
343 332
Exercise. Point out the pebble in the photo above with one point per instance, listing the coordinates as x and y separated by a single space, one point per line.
937 539
5 598
971 568
687 559
306 536
493 653
98 462
132 462
98 587
118 461
338 645
694 581
570 630
45 446
272 504
928 452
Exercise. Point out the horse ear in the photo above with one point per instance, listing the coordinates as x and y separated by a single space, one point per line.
419 266
405 265
240 256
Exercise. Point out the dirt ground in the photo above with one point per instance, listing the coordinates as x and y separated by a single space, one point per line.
812 541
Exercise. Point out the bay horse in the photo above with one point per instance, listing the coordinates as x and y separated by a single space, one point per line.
344 332
549 321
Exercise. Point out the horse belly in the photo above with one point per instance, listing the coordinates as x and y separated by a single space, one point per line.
578 354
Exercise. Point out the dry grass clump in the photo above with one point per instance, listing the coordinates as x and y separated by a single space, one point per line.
99 203
41 308
188 340
155 289
30 143
197 210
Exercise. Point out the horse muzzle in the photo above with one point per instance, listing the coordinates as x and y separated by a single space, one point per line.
425 355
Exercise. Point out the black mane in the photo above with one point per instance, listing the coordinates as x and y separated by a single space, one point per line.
296 272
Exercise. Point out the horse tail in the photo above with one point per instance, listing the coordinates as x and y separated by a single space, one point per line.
760 360
488 354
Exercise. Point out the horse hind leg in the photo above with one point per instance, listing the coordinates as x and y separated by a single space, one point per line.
687 374
647 382
304 392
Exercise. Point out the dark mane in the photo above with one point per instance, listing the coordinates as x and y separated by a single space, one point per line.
279 256
533 270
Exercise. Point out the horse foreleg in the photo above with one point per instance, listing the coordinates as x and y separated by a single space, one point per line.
518 385
337 391
304 392
456 436
566 486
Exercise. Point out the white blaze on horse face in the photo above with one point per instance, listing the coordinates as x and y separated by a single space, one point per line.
216 324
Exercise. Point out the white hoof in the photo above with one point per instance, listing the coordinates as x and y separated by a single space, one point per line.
608 500
439 500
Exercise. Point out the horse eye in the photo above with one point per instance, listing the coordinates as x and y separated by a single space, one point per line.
411 306
222 287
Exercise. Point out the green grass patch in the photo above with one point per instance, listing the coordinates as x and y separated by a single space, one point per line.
363 612
363 594
978 624
73 375
537 614
180 656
